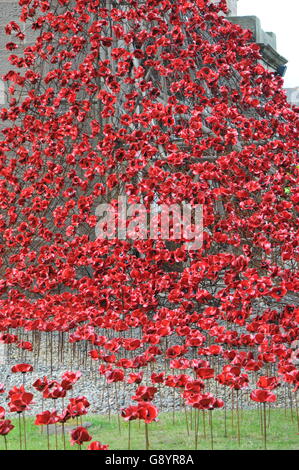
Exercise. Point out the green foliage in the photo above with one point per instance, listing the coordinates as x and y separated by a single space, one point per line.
168 434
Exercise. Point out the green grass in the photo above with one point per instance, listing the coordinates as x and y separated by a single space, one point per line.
282 434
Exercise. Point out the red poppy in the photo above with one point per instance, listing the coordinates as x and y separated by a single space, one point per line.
215 349
19 399
135 378
80 399
292 377
205 401
269 383
7 338
67 384
252 365
76 409
124 363
97 445
54 390
65 416
194 386
26 345
144 393
242 139
5 427
115 375
147 411
78 406
205 373
175 351
40 384
180 363
132 344
22 368
262 396
94 354
80 435
46 417
130 413
72 377
158 378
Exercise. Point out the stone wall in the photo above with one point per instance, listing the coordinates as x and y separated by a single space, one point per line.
9 11
267 41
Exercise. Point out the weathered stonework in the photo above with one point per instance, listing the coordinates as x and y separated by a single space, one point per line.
232 5
267 41
9 11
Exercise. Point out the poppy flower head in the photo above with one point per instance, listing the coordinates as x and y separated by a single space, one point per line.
158 378
147 412
46 418
205 373
262 396
19 400
65 416
72 377
80 435
135 378
116 375
40 384
194 386
269 383
130 413
2 412
5 427
97 445
22 368
54 390
26 345
144 393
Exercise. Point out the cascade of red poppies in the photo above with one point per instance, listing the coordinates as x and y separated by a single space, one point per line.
163 102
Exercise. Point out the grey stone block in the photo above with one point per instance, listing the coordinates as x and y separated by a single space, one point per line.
254 24
267 41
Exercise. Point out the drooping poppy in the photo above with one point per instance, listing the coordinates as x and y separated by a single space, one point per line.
80 435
